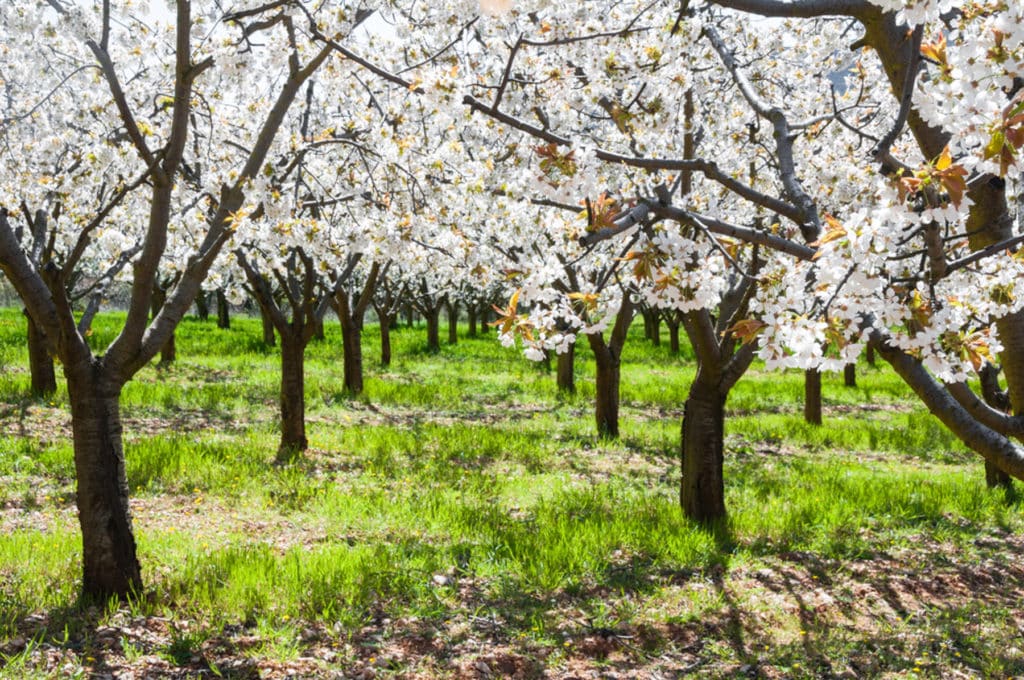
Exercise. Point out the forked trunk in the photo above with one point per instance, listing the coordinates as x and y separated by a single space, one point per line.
567 370
40 363
293 399
433 330
850 375
812 396
110 567
351 339
702 491
453 324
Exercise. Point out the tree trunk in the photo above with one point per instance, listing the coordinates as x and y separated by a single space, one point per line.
812 396
351 340
471 318
318 330
453 323
567 371
110 567
385 339
485 314
702 491
433 317
203 306
673 338
169 351
869 354
40 363
606 388
223 312
293 399
269 339
410 316
995 397
652 324
850 375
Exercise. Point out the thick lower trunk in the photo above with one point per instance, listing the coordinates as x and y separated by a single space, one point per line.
223 312
351 340
606 389
40 363
433 330
471 320
567 371
293 400
410 316
850 375
702 491
812 396
453 324
110 567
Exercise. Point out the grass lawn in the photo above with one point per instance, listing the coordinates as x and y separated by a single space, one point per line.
461 519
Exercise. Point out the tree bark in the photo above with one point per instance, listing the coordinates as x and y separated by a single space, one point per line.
410 316
203 306
318 330
812 396
169 350
567 371
652 324
352 344
673 338
850 375
269 339
40 363
453 323
433 317
606 388
702 490
223 311
110 567
995 397
869 354
471 319
293 399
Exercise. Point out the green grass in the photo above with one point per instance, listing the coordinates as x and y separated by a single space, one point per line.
461 487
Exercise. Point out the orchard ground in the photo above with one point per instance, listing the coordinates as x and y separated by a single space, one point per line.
461 519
